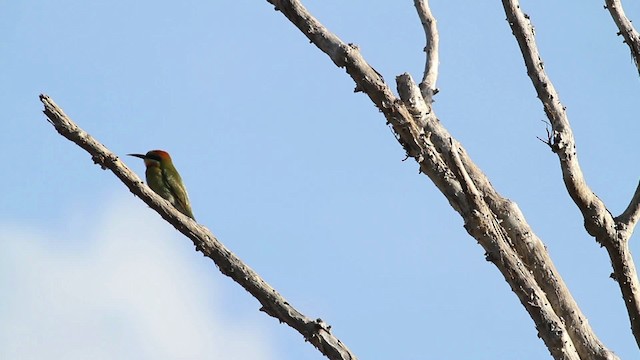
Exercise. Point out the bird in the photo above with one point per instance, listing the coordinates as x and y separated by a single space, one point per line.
163 178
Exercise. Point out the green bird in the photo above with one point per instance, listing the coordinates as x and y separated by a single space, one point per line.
164 180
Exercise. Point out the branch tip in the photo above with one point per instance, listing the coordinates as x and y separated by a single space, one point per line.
430 77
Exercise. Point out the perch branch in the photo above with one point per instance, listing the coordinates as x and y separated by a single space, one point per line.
598 221
628 32
315 331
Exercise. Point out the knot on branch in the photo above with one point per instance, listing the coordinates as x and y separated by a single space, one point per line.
104 160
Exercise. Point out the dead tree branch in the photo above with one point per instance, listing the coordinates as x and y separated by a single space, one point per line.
317 332
598 221
628 32
429 143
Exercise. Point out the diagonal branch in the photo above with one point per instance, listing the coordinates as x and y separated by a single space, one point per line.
530 249
598 221
631 36
411 135
316 332
428 84
483 225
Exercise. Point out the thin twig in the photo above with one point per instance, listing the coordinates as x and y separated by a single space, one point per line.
549 139
428 84
315 331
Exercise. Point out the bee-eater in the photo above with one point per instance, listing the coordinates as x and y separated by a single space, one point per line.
164 180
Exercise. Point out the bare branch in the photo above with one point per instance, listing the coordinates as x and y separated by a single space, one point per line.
428 83
316 332
629 217
597 219
631 36
563 142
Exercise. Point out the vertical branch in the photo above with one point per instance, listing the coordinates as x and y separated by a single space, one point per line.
631 36
598 221
428 84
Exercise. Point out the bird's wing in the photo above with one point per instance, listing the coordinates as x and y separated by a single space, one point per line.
174 184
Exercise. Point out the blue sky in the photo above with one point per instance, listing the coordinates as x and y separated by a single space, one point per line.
297 175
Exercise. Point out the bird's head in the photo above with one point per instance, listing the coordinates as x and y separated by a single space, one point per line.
154 158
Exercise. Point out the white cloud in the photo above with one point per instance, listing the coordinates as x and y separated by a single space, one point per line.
125 290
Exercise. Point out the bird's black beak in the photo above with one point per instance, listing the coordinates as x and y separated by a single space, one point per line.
138 156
